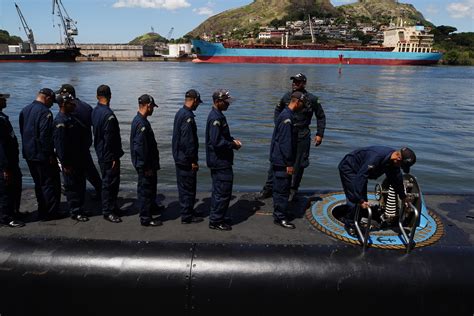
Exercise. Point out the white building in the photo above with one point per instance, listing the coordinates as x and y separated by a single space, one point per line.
177 50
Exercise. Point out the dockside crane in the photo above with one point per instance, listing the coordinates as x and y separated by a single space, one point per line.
28 31
69 25
168 37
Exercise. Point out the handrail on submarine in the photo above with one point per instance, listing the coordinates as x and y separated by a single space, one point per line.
408 240
363 237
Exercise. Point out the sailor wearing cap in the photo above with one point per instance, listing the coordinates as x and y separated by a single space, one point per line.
146 160
282 159
185 146
36 128
83 116
370 163
108 147
220 158
10 174
302 121
69 144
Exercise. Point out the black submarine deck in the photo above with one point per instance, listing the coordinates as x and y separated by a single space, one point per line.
252 222
63 267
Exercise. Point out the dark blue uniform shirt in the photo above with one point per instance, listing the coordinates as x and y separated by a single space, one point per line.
185 142
8 144
371 163
107 141
219 143
68 140
143 146
36 128
302 118
83 113
283 147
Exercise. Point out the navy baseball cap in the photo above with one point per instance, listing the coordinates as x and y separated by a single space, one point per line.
298 77
4 95
222 94
298 95
194 95
48 92
67 88
408 159
64 97
146 99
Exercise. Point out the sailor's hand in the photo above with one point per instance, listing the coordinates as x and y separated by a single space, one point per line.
290 170
317 140
148 173
67 170
237 143
7 175
115 165
194 166
364 204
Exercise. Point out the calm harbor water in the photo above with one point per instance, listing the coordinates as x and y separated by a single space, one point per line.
430 109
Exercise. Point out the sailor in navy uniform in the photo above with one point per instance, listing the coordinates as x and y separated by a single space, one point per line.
220 146
68 143
83 115
146 160
370 163
282 158
10 174
108 147
302 121
36 128
185 145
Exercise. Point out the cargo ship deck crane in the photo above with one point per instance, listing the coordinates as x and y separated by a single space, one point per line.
28 31
69 25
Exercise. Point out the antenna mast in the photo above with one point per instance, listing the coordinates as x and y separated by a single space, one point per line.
28 31
69 25
311 29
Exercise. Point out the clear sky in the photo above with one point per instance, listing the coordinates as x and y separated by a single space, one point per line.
119 21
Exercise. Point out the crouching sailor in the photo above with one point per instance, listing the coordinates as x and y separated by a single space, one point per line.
370 163
282 159
68 145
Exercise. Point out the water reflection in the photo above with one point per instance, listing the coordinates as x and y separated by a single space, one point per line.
429 108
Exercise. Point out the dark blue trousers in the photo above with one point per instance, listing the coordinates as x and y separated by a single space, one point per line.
47 186
303 147
75 190
281 192
348 175
110 187
222 181
146 194
186 181
92 175
10 195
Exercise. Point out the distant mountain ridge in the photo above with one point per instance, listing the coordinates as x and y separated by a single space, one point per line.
383 9
263 12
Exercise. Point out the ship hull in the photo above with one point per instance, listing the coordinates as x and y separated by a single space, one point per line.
217 53
54 55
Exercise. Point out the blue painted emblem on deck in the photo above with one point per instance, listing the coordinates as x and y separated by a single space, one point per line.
322 215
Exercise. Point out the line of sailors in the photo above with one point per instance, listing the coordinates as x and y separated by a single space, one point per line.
68 137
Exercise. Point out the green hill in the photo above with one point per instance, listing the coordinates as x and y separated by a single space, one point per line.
382 11
247 19
148 39
260 13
